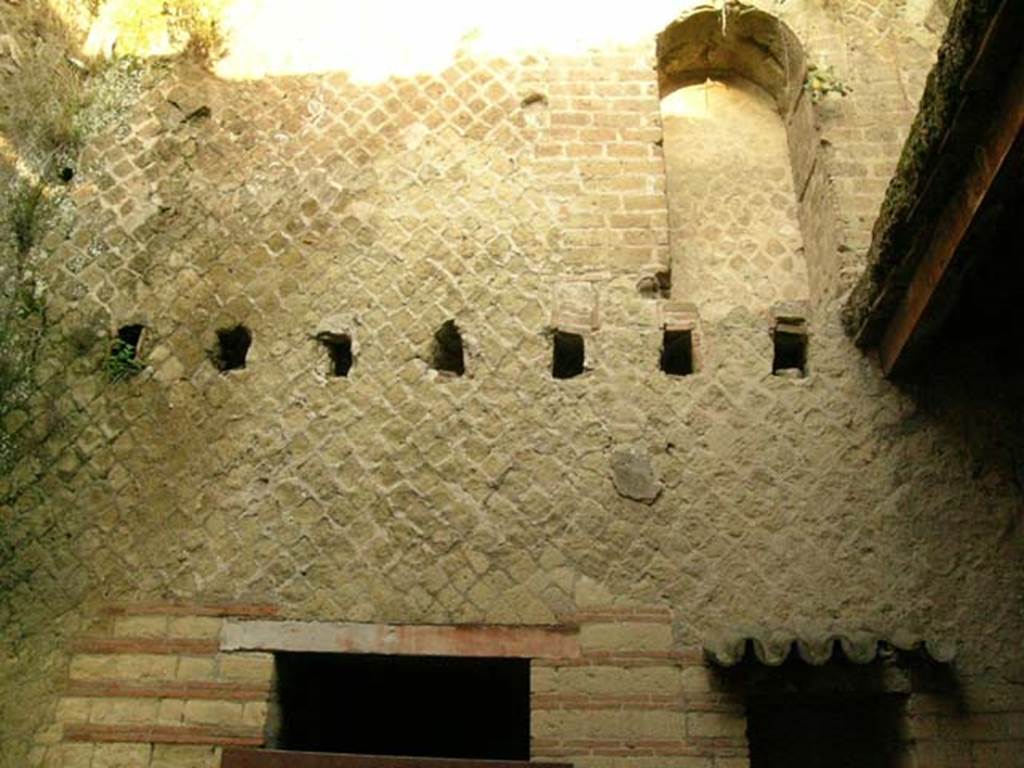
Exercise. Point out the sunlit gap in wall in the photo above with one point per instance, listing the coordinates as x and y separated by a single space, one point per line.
692 102
373 40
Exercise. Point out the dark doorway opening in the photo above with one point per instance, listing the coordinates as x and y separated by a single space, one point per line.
834 713
417 706
825 731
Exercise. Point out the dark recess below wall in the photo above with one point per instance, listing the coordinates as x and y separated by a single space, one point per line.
404 705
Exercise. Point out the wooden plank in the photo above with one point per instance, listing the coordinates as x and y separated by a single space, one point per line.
268 758
953 226
950 232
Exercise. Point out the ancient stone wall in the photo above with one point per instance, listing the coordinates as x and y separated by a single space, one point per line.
518 197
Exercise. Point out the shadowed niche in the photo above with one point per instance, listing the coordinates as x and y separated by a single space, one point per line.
449 355
232 348
567 356
677 353
417 706
339 350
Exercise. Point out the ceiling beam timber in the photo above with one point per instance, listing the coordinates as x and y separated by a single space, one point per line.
998 144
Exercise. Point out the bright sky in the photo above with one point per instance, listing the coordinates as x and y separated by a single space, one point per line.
375 39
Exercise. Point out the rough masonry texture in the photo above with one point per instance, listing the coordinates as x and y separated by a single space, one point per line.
516 196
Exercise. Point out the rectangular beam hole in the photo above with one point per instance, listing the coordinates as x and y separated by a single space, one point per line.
449 354
677 353
339 352
568 355
790 343
232 348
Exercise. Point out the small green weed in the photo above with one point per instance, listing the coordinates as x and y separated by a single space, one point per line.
821 81
26 207
197 21
43 94
122 363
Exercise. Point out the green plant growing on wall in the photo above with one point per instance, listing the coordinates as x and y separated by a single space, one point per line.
122 363
43 95
197 22
147 27
23 325
50 103
25 214
821 81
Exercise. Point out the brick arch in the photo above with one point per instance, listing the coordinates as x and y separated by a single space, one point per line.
735 40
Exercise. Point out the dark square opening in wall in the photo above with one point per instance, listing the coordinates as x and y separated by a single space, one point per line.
677 353
449 355
418 706
790 341
568 355
339 352
130 336
232 347
825 731
123 359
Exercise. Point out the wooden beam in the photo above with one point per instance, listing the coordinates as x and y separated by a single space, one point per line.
960 213
949 234
268 758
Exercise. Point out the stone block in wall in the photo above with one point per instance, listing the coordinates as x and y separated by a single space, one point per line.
622 636
576 306
993 697
985 726
123 666
184 756
634 474
224 713
196 668
172 712
69 756
940 754
699 679
678 316
72 709
140 626
200 627
790 312
246 667
121 756
1004 754
598 680
732 762
124 711
674 761
716 725
255 714
607 724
